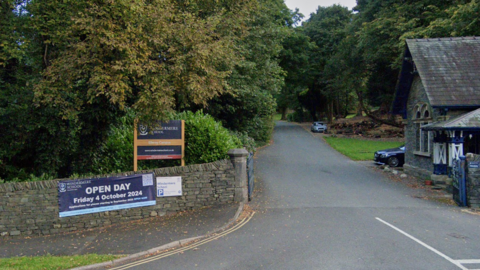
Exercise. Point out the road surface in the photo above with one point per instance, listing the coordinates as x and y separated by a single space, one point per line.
316 209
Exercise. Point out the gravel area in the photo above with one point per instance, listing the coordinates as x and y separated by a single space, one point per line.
307 125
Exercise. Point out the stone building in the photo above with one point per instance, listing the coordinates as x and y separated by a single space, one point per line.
438 95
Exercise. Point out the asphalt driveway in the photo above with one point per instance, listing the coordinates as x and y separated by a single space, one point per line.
316 209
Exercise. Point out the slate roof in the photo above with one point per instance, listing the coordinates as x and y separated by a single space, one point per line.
468 121
449 69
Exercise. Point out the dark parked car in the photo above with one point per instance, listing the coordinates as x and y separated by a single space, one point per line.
318 127
394 157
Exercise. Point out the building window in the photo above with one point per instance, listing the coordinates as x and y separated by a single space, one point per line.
425 143
416 113
423 139
426 114
472 144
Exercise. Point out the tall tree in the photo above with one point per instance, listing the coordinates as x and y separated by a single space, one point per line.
295 61
257 76
382 27
326 28
71 68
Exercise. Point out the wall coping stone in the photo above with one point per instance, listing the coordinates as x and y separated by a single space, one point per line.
237 153
48 184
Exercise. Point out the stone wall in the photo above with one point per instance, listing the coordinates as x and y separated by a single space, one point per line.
417 95
473 180
31 208
417 172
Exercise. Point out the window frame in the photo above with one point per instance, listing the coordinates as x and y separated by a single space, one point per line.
423 139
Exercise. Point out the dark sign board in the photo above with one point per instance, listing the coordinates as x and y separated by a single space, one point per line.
86 196
166 141
171 130
159 152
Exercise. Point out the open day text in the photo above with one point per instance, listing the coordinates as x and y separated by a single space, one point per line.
105 189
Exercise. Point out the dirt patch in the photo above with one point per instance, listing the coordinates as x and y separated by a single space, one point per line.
362 127
417 186
365 127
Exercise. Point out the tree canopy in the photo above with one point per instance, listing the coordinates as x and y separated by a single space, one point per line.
356 62
70 69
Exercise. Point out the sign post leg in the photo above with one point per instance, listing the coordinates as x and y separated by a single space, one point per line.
183 143
135 147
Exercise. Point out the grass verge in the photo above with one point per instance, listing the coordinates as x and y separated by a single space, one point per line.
53 262
357 149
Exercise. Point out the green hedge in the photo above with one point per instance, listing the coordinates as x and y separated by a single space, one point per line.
205 141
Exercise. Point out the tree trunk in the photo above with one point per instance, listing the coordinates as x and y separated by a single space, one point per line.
360 108
345 107
330 111
390 122
284 113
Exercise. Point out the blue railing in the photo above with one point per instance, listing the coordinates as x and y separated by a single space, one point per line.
250 176
459 181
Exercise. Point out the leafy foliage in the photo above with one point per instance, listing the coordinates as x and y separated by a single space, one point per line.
356 61
150 55
205 139
257 76
326 28
116 153
295 61
70 69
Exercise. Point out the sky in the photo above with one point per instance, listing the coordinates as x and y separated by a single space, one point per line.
310 6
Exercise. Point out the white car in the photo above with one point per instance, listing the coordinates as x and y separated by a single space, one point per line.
318 127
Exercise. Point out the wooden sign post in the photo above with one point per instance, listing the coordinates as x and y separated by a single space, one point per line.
164 142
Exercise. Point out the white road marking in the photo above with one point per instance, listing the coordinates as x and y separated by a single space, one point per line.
469 261
455 262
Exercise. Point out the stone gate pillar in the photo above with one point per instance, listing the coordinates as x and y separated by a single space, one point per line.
473 180
239 161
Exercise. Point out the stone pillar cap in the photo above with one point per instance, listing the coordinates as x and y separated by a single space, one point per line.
237 152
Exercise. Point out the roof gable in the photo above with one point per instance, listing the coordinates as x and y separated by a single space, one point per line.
449 69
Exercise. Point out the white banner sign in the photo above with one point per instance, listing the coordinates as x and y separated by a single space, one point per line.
169 186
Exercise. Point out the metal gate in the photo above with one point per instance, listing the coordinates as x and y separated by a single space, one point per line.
459 181
250 176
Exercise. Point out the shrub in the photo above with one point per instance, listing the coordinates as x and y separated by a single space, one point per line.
246 111
205 139
246 141
116 153
260 128
29 178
